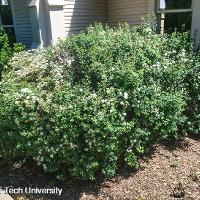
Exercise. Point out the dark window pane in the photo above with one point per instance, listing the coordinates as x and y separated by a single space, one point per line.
177 21
6 14
175 4
11 34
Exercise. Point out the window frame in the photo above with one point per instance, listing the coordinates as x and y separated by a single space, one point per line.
13 18
162 13
172 10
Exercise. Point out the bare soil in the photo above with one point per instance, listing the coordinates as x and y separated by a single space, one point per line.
169 172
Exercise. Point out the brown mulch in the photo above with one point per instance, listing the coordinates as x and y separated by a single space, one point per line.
169 172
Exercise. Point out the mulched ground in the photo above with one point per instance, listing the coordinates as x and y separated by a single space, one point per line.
169 172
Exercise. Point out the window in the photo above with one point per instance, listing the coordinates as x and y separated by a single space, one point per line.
174 15
6 19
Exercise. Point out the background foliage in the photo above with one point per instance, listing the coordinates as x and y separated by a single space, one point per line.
7 50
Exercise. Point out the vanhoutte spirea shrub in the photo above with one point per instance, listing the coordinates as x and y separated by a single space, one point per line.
99 98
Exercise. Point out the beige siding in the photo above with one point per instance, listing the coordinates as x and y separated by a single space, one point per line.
131 11
22 22
81 13
78 14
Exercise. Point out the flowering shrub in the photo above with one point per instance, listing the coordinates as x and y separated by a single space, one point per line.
97 98
193 97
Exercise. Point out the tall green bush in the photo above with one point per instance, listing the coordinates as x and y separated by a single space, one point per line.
7 50
97 98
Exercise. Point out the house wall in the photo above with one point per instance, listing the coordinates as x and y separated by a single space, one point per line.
79 14
131 11
22 22
196 21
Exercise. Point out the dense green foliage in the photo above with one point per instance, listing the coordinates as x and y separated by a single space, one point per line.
7 50
99 97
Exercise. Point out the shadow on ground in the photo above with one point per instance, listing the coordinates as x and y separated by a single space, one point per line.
126 183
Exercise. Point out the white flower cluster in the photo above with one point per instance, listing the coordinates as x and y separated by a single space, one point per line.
35 67
124 95
26 97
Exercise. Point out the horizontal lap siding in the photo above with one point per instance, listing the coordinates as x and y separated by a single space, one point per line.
131 11
23 23
79 14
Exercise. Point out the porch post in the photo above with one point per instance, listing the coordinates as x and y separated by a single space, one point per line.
38 23
55 19
196 21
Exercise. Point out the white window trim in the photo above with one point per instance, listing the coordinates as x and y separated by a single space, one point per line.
56 2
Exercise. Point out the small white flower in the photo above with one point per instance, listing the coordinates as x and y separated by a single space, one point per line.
129 150
122 103
90 143
108 90
103 101
125 95
99 113
93 95
17 102
25 90
41 133
158 64
26 102
70 107
44 166
86 149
